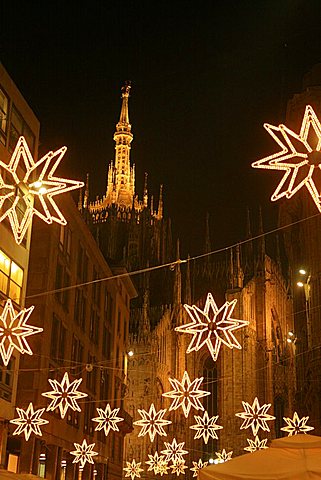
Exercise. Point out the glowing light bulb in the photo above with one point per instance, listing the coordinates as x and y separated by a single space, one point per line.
302 271
300 284
130 353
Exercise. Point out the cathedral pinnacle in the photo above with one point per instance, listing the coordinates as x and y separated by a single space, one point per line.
124 116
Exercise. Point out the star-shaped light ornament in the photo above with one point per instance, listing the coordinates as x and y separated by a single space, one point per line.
29 421
162 468
178 467
205 427
155 463
29 188
255 416
107 419
256 444
64 395
296 425
186 394
212 326
84 453
174 451
133 469
299 158
224 456
197 466
14 330
152 422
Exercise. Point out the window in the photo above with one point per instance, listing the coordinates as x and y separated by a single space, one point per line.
6 380
89 413
82 264
19 127
94 325
65 241
58 340
80 308
77 350
11 278
4 103
106 347
62 281
91 373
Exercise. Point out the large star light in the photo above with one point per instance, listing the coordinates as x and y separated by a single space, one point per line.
133 469
84 453
197 466
152 422
107 419
256 444
296 425
29 189
205 427
174 451
299 158
212 326
186 394
255 416
64 395
29 421
14 330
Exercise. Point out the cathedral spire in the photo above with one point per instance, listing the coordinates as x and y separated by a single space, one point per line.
188 286
160 203
86 196
145 193
124 115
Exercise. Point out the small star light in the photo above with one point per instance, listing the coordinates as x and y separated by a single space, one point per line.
256 444
255 416
133 469
107 419
186 394
25 186
64 395
14 330
152 422
29 421
205 427
178 467
299 158
212 326
83 453
162 468
197 466
154 462
223 456
174 451
296 425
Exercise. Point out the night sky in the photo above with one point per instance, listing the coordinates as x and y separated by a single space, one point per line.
205 77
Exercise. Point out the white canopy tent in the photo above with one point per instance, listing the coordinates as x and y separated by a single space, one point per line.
291 458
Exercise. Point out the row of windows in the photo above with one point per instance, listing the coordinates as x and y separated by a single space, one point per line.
11 278
13 125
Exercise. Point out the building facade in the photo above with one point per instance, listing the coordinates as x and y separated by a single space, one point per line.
16 119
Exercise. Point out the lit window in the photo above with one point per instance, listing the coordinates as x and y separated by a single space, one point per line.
4 102
11 278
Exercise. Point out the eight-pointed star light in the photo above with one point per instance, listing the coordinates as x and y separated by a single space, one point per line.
14 330
178 467
174 451
299 158
30 188
255 416
152 422
186 394
205 427
256 444
29 421
107 419
155 462
224 456
83 453
64 395
296 425
212 326
133 469
197 466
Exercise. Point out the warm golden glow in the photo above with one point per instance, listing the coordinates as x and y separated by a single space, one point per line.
256 444
29 421
296 425
205 427
107 419
83 453
197 466
133 469
152 422
255 416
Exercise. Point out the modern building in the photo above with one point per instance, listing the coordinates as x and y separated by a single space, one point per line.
16 119
82 303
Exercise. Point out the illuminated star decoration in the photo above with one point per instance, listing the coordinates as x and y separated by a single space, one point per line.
64 395
197 466
256 444
29 421
296 425
162 468
224 456
186 394
155 463
205 427
255 416
178 467
25 185
174 451
14 330
133 469
212 326
83 453
299 158
107 419
152 422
